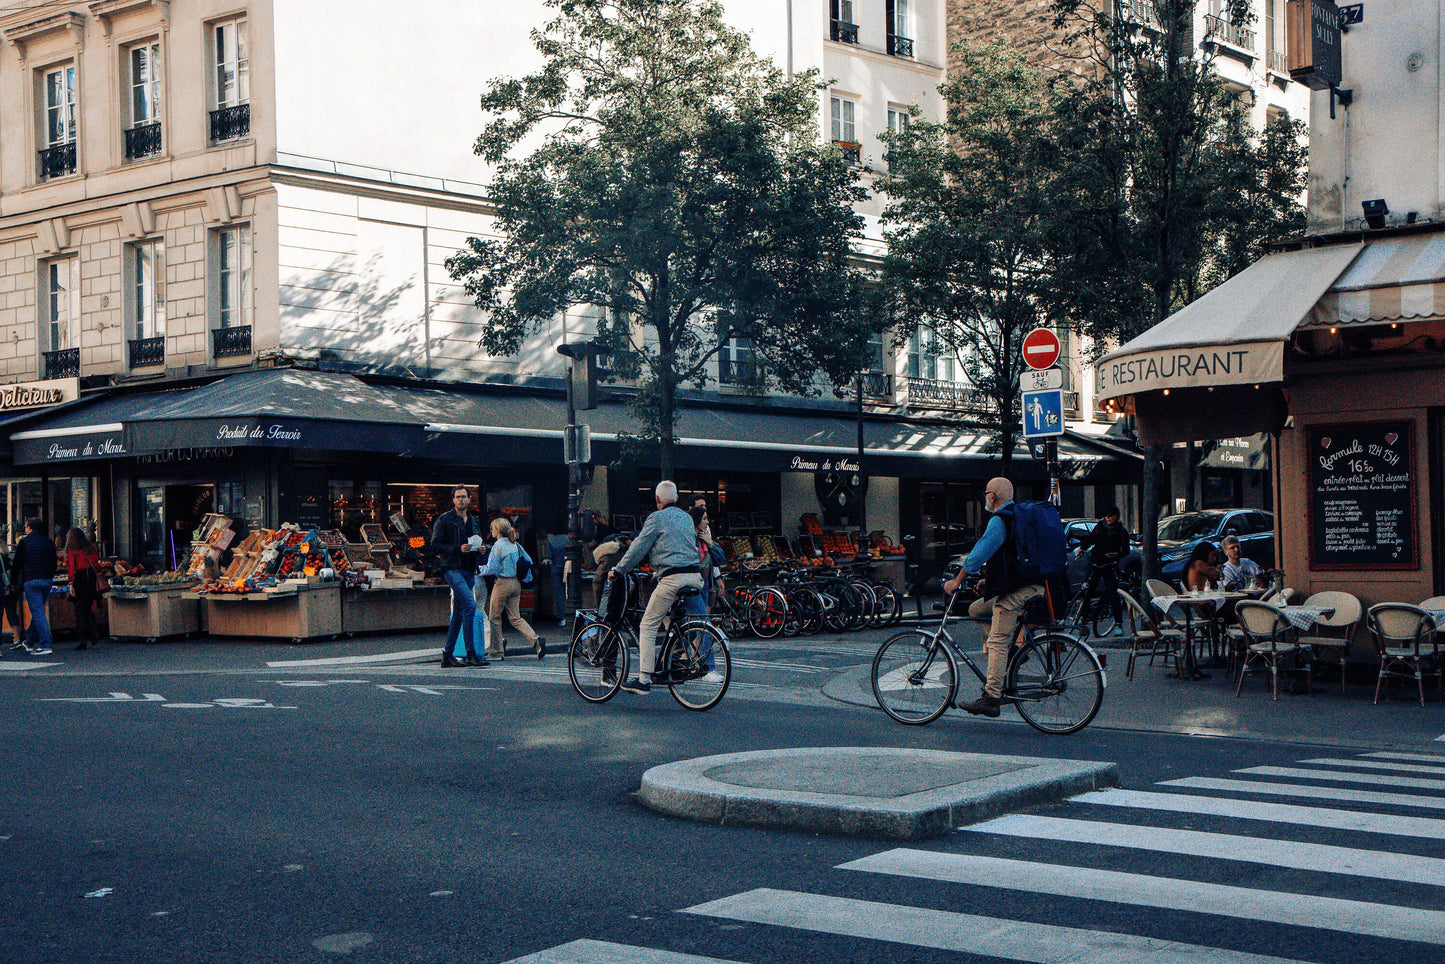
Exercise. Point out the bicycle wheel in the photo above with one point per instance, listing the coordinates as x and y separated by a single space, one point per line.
1102 622
836 611
767 612
889 608
597 662
1057 683
701 667
867 603
914 677
809 603
896 616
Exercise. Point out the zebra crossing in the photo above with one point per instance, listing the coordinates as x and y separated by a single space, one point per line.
1250 866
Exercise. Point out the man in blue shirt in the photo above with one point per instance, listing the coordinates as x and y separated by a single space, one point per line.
1003 592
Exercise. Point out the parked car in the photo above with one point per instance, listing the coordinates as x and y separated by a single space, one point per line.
1179 534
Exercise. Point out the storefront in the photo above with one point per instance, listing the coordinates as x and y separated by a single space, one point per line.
1337 352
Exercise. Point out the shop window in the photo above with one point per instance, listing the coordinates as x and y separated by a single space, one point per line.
515 503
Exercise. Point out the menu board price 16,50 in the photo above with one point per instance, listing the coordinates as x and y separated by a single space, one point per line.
1362 496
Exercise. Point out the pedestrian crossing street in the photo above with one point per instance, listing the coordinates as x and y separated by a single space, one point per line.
1270 865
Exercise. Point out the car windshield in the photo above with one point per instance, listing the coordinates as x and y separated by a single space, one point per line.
1192 526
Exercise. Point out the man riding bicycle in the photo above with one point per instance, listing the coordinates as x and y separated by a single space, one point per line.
1108 543
669 541
1004 591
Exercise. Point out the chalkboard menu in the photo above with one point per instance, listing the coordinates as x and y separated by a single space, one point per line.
1362 496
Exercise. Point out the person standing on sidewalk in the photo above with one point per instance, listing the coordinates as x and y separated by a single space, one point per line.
669 541
1005 591
34 572
82 564
455 537
507 589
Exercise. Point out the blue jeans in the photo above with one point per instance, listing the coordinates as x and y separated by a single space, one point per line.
37 591
697 606
464 607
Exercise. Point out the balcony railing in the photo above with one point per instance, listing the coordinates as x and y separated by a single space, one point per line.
1276 62
142 141
843 31
229 123
852 151
1217 28
147 352
57 161
930 393
64 363
877 385
231 342
900 46
1141 12
738 374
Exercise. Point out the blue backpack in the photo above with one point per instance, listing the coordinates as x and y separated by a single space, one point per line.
1038 540
524 567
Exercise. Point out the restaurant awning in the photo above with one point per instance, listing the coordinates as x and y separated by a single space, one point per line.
1392 280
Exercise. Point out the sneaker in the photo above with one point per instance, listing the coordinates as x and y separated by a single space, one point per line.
1118 630
712 676
19 644
985 705
636 685
41 650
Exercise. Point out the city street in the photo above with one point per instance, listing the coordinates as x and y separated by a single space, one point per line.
198 802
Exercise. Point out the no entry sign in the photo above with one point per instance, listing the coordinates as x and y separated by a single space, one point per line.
1041 348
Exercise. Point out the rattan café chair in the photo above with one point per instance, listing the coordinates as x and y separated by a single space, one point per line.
1334 634
1146 633
1268 640
1407 644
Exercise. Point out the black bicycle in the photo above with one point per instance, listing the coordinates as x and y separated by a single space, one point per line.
1054 681
693 659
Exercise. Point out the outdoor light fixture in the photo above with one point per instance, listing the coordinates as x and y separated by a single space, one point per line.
1375 212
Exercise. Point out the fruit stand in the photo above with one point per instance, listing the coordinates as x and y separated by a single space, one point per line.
397 609
153 612
297 613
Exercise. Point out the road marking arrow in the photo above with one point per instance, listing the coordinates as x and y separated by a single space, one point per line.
112 698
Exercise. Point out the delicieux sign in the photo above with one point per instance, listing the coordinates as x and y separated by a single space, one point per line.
1190 367
38 394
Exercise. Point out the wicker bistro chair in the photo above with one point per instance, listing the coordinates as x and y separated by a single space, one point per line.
1268 640
1434 602
1146 633
1407 644
1334 634
1158 587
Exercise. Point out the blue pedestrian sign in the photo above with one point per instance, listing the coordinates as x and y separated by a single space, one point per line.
1043 413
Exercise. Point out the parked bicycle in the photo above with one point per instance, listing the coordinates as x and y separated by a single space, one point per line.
1092 613
1054 681
693 659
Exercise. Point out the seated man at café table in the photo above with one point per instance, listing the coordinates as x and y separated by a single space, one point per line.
1239 572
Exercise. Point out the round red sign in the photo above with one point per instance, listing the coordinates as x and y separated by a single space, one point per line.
1041 348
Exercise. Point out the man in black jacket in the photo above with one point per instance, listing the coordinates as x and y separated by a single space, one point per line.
34 571
1108 543
455 538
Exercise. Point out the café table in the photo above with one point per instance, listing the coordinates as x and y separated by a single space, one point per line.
1202 604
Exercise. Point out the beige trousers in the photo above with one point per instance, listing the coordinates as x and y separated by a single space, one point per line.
1006 609
663 596
506 595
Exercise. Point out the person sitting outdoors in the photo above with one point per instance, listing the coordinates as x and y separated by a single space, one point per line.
1199 572
1239 572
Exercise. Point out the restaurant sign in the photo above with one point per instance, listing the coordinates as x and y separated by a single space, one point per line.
1203 366
824 463
52 391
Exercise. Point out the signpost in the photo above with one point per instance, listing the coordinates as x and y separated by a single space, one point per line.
1043 401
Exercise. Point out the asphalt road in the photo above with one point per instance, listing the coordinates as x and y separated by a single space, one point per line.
187 803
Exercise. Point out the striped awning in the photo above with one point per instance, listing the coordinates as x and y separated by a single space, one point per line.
1392 280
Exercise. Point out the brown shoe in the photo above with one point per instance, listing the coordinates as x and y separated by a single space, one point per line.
985 705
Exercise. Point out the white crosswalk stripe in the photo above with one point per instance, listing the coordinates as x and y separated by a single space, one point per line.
1378 879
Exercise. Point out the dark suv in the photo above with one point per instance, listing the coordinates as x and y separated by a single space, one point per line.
1179 534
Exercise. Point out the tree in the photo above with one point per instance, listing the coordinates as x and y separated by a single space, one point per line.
1168 191
969 223
674 180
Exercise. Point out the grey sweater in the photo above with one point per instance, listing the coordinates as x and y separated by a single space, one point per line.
668 540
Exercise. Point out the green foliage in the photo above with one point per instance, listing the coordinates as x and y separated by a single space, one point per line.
655 167
970 221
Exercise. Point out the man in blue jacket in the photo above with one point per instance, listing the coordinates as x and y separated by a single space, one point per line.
668 540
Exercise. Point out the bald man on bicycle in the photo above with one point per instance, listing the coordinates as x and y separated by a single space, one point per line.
669 541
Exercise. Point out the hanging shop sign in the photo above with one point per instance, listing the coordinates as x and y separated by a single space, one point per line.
98 442
824 463
52 391
1312 43
1362 502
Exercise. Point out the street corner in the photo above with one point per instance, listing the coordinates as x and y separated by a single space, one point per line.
876 792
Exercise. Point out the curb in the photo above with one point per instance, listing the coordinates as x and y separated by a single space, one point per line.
895 794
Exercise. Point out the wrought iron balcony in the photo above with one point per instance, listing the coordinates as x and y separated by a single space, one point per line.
1276 62
231 342
1141 12
1219 29
57 161
738 374
147 352
844 32
900 46
929 393
852 151
64 363
877 385
142 141
229 123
